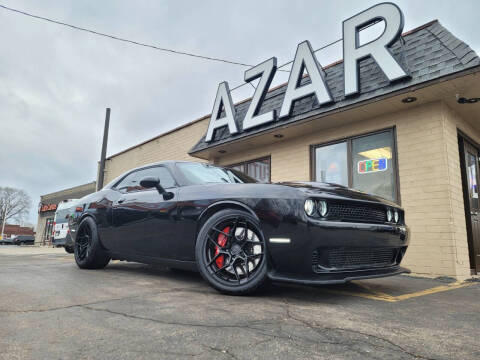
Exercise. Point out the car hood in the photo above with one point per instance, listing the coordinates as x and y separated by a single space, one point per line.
335 191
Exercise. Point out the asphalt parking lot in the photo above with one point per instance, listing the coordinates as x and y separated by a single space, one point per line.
49 309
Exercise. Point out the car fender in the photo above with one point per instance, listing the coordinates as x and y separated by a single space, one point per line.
86 214
220 205
79 220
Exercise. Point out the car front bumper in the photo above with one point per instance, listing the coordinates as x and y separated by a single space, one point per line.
328 252
337 278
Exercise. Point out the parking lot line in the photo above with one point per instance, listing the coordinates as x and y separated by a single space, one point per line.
378 295
370 296
437 289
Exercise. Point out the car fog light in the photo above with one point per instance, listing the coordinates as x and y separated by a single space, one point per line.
389 215
322 208
309 207
396 216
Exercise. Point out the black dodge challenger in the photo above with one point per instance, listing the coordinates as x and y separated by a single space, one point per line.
237 232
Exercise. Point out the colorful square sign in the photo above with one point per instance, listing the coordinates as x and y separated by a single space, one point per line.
372 165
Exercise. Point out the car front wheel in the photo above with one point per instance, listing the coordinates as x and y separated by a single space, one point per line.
88 250
231 252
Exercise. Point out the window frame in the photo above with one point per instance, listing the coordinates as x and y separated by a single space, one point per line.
114 187
349 141
245 163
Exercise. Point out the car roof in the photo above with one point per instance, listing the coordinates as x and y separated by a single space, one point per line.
158 163
165 162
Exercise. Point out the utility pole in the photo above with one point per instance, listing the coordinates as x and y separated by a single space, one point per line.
101 170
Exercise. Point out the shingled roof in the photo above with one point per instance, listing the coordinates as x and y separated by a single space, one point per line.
428 52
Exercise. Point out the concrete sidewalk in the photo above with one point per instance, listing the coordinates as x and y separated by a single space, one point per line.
29 250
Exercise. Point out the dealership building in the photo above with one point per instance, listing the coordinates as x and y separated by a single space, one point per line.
48 205
414 141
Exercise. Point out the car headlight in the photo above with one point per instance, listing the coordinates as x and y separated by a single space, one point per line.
396 217
309 207
322 208
389 215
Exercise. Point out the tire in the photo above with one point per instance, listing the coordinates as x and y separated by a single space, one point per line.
69 249
243 254
87 249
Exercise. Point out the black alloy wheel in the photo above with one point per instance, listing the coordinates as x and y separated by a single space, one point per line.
87 249
231 252
84 241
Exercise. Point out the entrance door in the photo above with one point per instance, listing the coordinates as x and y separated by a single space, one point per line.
47 235
472 206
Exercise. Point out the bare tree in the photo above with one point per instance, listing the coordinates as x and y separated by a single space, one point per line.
14 204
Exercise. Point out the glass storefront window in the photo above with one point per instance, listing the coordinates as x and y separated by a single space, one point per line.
331 164
372 165
258 169
364 163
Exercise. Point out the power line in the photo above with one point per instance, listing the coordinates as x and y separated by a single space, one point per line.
291 61
178 52
315 51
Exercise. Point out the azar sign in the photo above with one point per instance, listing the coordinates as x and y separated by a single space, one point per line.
353 52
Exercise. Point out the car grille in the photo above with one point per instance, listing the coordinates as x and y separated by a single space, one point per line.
353 212
357 258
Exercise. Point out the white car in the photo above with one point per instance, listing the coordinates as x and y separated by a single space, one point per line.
61 231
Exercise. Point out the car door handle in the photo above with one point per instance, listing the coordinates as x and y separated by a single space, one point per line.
121 200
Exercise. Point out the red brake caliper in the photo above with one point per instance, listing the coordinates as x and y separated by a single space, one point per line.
221 240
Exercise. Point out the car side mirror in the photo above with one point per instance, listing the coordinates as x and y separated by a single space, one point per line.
150 182
154 182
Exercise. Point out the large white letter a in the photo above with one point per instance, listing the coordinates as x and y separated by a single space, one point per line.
305 59
223 99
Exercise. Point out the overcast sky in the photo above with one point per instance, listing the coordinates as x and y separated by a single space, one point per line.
55 82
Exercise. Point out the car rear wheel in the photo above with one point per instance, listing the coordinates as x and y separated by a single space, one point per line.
69 249
88 250
231 252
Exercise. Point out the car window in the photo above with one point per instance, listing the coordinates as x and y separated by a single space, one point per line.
131 182
201 173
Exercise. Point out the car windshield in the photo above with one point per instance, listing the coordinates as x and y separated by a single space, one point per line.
198 174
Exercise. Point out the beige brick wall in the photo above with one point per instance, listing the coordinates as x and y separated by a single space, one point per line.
459 249
40 228
171 146
425 191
